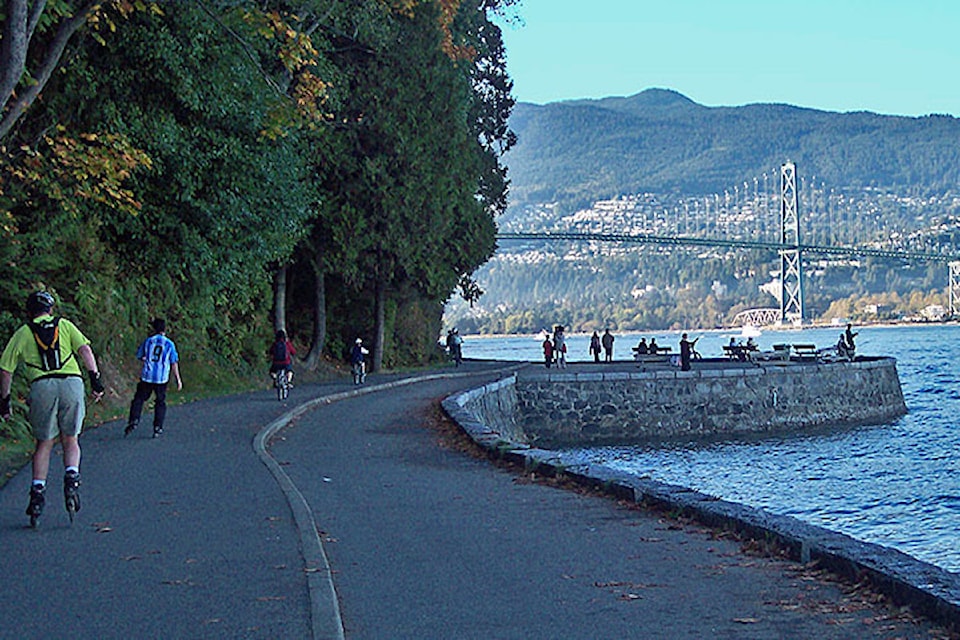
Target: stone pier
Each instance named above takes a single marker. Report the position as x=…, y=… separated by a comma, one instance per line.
x=621, y=404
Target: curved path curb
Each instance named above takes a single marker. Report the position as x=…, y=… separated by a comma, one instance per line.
x=325, y=619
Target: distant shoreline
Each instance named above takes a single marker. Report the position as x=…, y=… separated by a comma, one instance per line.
x=873, y=325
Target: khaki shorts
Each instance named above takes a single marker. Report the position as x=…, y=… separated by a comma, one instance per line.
x=56, y=407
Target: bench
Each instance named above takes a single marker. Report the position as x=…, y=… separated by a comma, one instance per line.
x=651, y=358
x=781, y=352
x=657, y=350
x=805, y=351
x=741, y=352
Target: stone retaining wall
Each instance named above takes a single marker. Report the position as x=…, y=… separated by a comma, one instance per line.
x=583, y=409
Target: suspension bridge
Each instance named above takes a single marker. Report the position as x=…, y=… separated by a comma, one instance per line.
x=732, y=220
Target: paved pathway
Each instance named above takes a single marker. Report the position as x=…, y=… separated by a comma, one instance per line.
x=190, y=536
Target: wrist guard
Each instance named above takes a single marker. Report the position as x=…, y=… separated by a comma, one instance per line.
x=96, y=385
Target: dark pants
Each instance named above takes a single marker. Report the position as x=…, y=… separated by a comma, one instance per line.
x=144, y=389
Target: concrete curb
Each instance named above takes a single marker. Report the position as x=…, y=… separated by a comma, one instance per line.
x=325, y=620
x=927, y=589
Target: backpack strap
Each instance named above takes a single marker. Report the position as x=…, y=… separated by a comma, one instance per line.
x=43, y=347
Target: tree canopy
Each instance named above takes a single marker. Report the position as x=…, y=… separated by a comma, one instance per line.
x=175, y=158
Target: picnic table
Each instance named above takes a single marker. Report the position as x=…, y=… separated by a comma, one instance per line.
x=805, y=351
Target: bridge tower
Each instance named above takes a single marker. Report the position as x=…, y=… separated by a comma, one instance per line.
x=954, y=289
x=791, y=276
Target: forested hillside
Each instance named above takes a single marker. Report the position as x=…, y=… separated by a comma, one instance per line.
x=659, y=141
x=239, y=166
x=658, y=163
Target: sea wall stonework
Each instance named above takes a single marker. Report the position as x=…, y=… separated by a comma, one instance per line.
x=489, y=413
x=558, y=409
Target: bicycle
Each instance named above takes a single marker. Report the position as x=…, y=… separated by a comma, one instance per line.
x=281, y=381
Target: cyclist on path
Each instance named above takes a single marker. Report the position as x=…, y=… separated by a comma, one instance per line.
x=281, y=356
x=52, y=350
x=160, y=359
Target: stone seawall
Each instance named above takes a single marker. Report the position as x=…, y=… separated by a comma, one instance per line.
x=582, y=409
x=489, y=413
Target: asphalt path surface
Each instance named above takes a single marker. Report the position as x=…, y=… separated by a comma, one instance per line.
x=191, y=536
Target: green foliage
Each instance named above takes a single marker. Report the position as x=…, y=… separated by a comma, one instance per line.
x=181, y=156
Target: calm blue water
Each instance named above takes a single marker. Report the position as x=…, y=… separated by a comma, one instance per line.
x=896, y=484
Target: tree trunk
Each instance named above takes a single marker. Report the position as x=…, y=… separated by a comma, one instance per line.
x=14, y=105
x=280, y=299
x=379, y=329
x=319, y=318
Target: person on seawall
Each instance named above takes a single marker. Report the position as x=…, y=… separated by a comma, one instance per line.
x=608, y=345
x=642, y=347
x=159, y=356
x=595, y=346
x=547, y=351
x=51, y=350
x=560, y=346
x=686, y=350
x=653, y=347
x=281, y=356
x=849, y=335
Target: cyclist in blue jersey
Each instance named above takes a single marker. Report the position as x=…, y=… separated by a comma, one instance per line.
x=160, y=359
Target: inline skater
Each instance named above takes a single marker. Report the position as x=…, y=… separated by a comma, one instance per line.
x=52, y=349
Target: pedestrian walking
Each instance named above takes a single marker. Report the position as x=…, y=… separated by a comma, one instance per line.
x=51, y=349
x=607, y=341
x=160, y=359
x=357, y=363
x=595, y=346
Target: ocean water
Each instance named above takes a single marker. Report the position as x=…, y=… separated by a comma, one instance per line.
x=895, y=484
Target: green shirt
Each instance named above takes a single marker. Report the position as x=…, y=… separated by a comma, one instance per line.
x=23, y=348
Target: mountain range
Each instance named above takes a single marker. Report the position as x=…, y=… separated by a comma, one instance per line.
x=659, y=141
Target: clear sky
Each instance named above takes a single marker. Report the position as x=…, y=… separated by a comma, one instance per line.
x=899, y=57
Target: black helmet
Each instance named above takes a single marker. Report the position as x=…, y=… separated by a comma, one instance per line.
x=281, y=334
x=39, y=302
